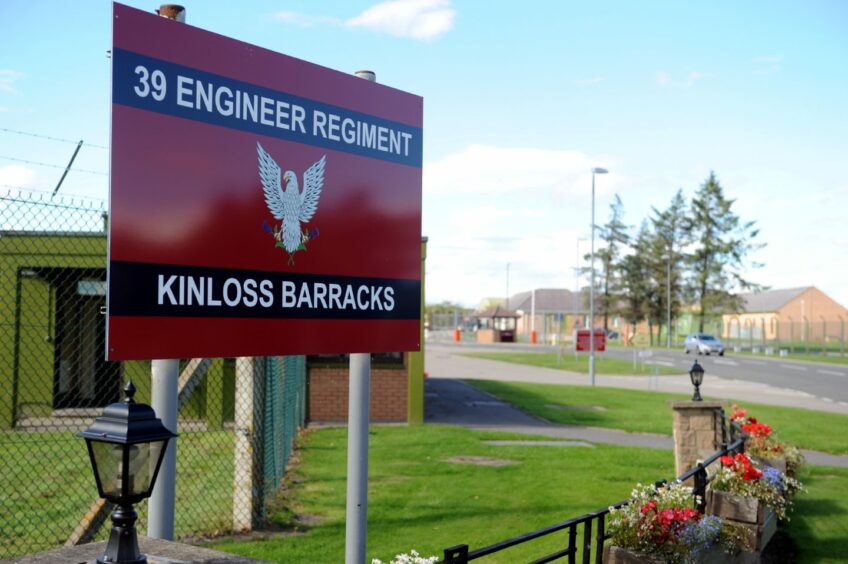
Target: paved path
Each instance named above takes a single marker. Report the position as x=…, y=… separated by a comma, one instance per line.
x=449, y=401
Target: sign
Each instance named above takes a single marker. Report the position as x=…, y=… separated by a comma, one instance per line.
x=259, y=204
x=582, y=340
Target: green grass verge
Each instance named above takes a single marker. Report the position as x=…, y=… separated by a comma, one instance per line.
x=647, y=412
x=603, y=365
x=418, y=499
x=819, y=524
x=826, y=359
x=47, y=485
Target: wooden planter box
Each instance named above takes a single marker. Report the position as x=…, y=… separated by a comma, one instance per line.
x=779, y=463
x=617, y=555
x=758, y=521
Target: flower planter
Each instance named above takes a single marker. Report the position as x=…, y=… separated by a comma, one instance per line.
x=616, y=555
x=758, y=521
x=779, y=463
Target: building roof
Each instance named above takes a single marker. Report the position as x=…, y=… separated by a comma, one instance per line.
x=770, y=300
x=497, y=311
x=547, y=300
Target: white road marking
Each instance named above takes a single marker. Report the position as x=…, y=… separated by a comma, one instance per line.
x=793, y=367
x=831, y=372
x=760, y=362
x=726, y=362
x=660, y=362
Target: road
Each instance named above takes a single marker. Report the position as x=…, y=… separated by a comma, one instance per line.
x=761, y=379
x=826, y=381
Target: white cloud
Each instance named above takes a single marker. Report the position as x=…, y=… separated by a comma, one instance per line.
x=415, y=19
x=665, y=79
x=487, y=206
x=484, y=169
x=303, y=20
x=8, y=79
x=18, y=176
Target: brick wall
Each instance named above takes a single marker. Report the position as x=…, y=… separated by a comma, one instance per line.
x=328, y=391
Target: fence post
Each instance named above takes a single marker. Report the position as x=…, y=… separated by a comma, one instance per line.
x=456, y=554
x=697, y=432
x=247, y=474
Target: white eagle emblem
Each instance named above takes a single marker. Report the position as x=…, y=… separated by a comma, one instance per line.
x=289, y=204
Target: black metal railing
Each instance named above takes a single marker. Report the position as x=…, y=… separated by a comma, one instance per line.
x=733, y=441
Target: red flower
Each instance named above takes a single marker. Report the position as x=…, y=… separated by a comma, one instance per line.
x=727, y=460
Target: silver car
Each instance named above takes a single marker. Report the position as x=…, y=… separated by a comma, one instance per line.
x=702, y=343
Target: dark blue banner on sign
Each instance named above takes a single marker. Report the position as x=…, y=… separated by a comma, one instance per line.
x=151, y=84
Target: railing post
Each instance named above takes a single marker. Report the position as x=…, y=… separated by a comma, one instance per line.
x=587, y=541
x=572, y=535
x=599, y=539
x=700, y=488
x=456, y=554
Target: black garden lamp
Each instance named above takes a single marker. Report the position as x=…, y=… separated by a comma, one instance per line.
x=696, y=374
x=126, y=445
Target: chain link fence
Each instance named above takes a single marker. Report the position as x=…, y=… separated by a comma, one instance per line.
x=238, y=418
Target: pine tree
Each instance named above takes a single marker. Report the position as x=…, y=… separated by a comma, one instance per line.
x=672, y=230
x=614, y=235
x=638, y=287
x=722, y=244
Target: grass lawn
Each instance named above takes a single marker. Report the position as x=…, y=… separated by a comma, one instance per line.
x=417, y=499
x=647, y=412
x=603, y=365
x=41, y=503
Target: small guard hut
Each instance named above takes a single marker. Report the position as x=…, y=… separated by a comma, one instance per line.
x=496, y=325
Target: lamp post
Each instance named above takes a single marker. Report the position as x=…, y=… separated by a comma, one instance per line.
x=596, y=170
x=696, y=374
x=126, y=445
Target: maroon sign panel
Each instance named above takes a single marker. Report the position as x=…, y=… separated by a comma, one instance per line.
x=259, y=204
x=583, y=343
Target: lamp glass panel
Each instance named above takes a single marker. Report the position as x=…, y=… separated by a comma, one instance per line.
x=697, y=377
x=107, y=457
x=138, y=473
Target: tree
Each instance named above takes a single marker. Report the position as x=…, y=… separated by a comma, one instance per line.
x=722, y=243
x=614, y=235
x=672, y=230
x=638, y=287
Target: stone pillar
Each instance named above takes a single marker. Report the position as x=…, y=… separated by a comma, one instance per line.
x=697, y=432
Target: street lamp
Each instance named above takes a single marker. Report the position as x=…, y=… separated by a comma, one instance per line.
x=696, y=374
x=596, y=170
x=126, y=445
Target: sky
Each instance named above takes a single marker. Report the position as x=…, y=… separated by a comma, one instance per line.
x=521, y=101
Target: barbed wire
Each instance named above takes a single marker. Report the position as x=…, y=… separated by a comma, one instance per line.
x=50, y=138
x=62, y=167
x=43, y=195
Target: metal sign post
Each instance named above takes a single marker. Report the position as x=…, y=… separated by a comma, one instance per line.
x=358, y=413
x=164, y=378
